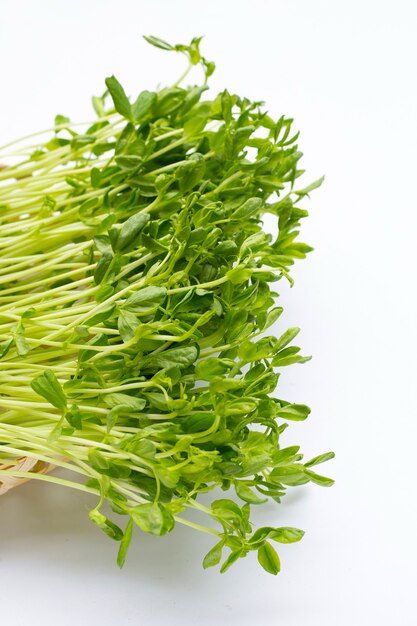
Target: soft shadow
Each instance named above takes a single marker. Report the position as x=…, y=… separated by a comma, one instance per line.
x=42, y=522
x=47, y=525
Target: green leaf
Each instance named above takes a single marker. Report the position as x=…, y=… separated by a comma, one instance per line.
x=173, y=357
x=22, y=345
x=5, y=347
x=285, y=454
x=74, y=417
x=152, y=244
x=291, y=474
x=238, y=407
x=191, y=172
x=127, y=324
x=28, y=314
x=323, y=481
x=231, y=559
x=146, y=300
x=80, y=141
x=100, y=317
x=286, y=338
x=207, y=369
x=267, y=319
x=239, y=275
x=98, y=105
x=168, y=101
x=286, y=534
x=126, y=136
x=142, y=108
x=213, y=556
x=195, y=125
x=194, y=50
x=306, y=190
x=145, y=449
x=129, y=162
x=321, y=458
x=61, y=120
x=167, y=477
x=129, y=231
x=254, y=242
x=247, y=209
x=120, y=100
x=48, y=386
x=153, y=518
x=294, y=412
x=125, y=543
x=102, y=267
x=245, y=493
x=250, y=352
x=158, y=43
x=110, y=528
x=198, y=422
x=86, y=355
x=226, y=509
x=124, y=401
x=288, y=356
x=269, y=559
x=107, y=466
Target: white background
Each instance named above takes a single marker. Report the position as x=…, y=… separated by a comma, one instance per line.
x=346, y=72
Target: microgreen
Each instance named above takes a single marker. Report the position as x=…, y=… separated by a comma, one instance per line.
x=136, y=284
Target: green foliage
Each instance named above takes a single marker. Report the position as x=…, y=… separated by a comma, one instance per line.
x=136, y=289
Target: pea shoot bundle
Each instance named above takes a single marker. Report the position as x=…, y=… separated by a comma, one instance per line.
x=135, y=296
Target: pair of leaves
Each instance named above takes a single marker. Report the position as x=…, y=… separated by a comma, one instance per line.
x=267, y=555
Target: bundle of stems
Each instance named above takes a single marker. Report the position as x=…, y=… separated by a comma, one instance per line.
x=134, y=298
